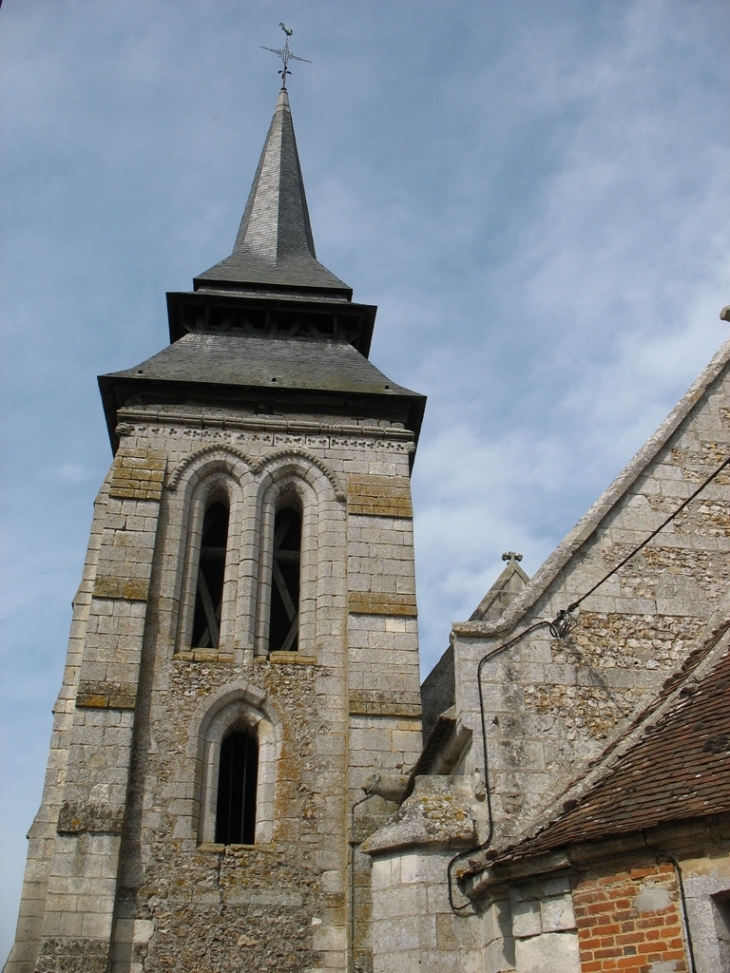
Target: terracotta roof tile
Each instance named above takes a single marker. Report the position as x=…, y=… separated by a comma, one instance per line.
x=678, y=770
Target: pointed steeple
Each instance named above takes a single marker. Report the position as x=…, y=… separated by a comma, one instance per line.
x=274, y=248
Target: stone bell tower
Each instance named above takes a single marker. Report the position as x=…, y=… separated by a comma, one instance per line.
x=243, y=650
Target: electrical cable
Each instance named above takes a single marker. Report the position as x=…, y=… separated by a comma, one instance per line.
x=685, y=918
x=651, y=536
x=563, y=623
x=460, y=909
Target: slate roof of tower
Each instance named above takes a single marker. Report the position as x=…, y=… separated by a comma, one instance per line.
x=250, y=361
x=678, y=770
x=274, y=245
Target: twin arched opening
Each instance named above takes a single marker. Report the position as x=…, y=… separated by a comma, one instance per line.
x=252, y=552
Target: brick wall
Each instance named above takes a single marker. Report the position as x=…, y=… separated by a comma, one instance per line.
x=630, y=920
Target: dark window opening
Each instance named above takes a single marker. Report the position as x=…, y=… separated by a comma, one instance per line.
x=235, y=822
x=284, y=618
x=209, y=594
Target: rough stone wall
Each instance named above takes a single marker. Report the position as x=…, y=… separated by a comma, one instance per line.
x=348, y=704
x=345, y=705
x=552, y=705
x=630, y=920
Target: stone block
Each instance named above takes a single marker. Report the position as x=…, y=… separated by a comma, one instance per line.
x=557, y=913
x=526, y=919
x=548, y=953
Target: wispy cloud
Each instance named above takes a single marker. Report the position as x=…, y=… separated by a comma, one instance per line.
x=536, y=195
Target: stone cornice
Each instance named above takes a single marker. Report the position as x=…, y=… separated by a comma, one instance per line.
x=128, y=416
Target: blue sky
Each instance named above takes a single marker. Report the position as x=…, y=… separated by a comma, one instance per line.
x=536, y=195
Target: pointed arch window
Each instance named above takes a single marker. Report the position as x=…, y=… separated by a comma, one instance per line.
x=235, y=822
x=285, y=581
x=211, y=570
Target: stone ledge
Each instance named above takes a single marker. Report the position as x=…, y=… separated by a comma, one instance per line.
x=203, y=655
x=217, y=848
x=106, y=695
x=381, y=603
x=288, y=659
x=121, y=589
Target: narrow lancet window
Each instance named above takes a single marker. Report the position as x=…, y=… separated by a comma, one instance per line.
x=209, y=595
x=284, y=618
x=235, y=822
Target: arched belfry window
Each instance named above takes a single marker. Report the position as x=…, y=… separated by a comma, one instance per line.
x=284, y=616
x=211, y=570
x=235, y=820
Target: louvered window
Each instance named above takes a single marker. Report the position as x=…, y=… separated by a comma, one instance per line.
x=235, y=822
x=284, y=617
x=211, y=568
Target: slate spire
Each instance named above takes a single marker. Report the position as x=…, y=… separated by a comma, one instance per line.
x=274, y=247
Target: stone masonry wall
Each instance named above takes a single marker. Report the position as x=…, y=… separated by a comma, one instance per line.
x=414, y=926
x=82, y=880
x=128, y=842
x=282, y=904
x=552, y=705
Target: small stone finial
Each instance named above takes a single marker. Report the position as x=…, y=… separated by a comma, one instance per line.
x=511, y=556
x=285, y=54
x=725, y=313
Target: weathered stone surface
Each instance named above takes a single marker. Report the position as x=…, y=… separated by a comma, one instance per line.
x=385, y=703
x=137, y=474
x=68, y=955
x=126, y=589
x=382, y=603
x=379, y=496
x=89, y=818
x=104, y=695
x=440, y=811
x=548, y=953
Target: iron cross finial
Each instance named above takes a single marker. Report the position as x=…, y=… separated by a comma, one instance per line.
x=284, y=53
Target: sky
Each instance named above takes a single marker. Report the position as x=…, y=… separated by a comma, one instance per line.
x=535, y=194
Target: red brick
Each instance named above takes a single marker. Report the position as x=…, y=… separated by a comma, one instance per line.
x=650, y=950
x=595, y=895
x=597, y=908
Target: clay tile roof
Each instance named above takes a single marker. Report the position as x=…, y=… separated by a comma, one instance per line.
x=678, y=770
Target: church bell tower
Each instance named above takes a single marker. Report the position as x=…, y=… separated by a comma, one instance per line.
x=243, y=651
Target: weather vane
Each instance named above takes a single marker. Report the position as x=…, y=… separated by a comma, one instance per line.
x=284, y=53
